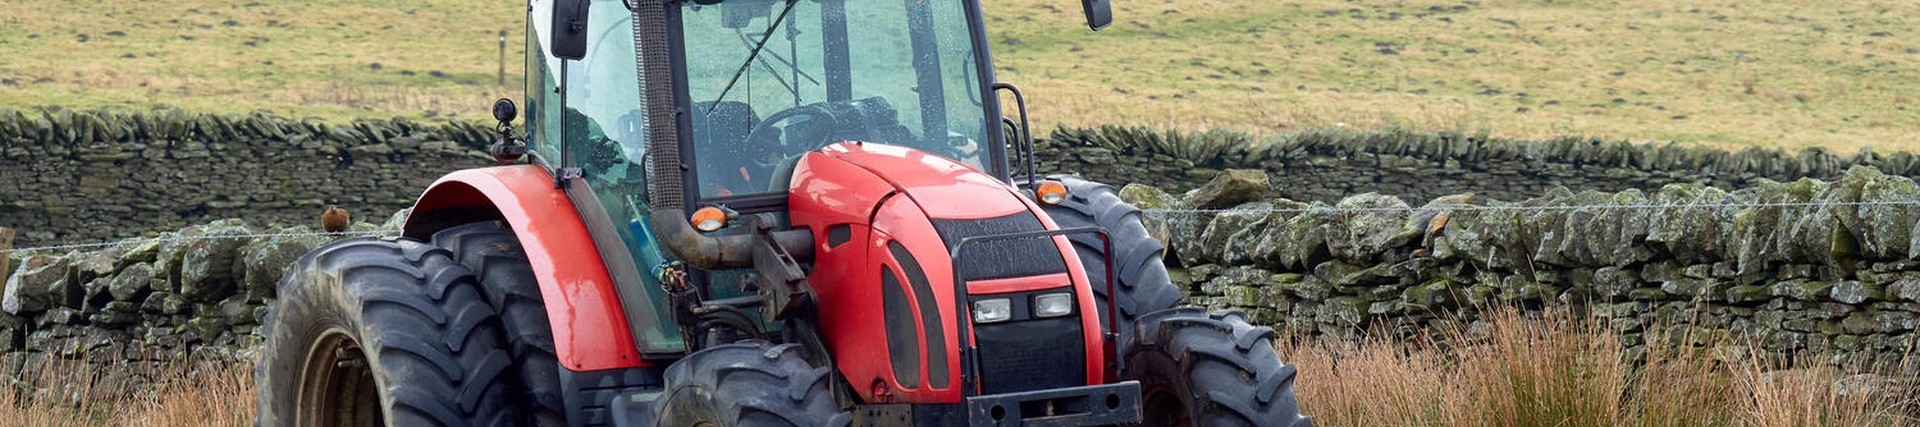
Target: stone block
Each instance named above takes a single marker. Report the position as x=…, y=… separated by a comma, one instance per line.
x=1804, y=290
x=42, y=282
x=208, y=269
x=1228, y=188
x=1855, y=292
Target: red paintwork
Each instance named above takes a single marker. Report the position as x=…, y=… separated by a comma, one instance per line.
x=852, y=183
x=901, y=220
x=827, y=192
x=944, y=188
x=589, y=327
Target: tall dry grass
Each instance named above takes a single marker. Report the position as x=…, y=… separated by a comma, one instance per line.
x=1562, y=370
x=1526, y=370
x=62, y=394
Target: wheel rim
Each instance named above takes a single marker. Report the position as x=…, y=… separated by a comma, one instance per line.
x=337, y=388
x=1161, y=407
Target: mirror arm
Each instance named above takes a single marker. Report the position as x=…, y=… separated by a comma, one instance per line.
x=1026, y=129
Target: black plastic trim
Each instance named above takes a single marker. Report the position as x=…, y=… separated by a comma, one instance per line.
x=902, y=348
x=931, y=327
x=839, y=234
x=1094, y=405
x=1033, y=354
x=590, y=394
x=1002, y=259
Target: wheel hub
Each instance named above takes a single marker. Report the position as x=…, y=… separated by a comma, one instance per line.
x=336, y=386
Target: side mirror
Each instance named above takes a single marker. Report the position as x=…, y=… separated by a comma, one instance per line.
x=504, y=111
x=569, y=29
x=1099, y=13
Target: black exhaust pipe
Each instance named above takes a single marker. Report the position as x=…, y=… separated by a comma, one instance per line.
x=664, y=187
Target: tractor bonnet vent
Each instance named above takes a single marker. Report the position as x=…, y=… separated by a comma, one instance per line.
x=1002, y=258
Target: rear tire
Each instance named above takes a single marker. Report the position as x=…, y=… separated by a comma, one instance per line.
x=1141, y=284
x=377, y=331
x=506, y=278
x=749, y=384
x=1211, y=371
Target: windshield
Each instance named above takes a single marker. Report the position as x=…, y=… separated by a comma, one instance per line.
x=773, y=79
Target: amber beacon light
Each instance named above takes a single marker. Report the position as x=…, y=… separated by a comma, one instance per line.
x=1050, y=192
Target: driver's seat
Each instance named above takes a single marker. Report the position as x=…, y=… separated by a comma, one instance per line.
x=726, y=126
x=723, y=131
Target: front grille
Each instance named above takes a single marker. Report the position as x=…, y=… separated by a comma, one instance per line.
x=1000, y=259
x=1031, y=355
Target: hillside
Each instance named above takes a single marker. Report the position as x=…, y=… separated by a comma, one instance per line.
x=1784, y=74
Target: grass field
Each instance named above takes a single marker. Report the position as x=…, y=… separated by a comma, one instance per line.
x=1789, y=73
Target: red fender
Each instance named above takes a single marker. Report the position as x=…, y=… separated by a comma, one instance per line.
x=589, y=327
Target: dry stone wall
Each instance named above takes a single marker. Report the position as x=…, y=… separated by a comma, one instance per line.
x=1807, y=265
x=1328, y=165
x=137, y=308
x=88, y=176
x=85, y=176
x=1320, y=240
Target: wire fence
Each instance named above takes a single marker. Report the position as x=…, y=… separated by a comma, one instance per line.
x=1548, y=208
x=1318, y=209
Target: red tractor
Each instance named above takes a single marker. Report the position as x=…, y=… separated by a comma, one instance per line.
x=761, y=213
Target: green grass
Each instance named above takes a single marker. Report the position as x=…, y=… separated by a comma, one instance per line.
x=1780, y=74
x=334, y=60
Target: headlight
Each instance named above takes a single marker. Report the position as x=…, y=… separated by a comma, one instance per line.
x=1053, y=305
x=992, y=310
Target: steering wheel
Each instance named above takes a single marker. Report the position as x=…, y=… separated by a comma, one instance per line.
x=765, y=129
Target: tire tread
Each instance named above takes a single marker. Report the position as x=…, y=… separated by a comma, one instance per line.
x=759, y=384
x=417, y=314
x=1227, y=368
x=1141, y=284
x=495, y=255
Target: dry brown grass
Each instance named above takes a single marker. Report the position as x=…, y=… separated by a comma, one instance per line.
x=1514, y=370
x=69, y=394
x=1555, y=370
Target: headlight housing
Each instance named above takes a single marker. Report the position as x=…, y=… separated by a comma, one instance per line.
x=992, y=310
x=1052, y=305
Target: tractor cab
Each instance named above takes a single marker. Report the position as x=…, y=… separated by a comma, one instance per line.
x=762, y=81
x=755, y=85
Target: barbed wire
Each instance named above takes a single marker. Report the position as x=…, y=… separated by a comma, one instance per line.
x=1321, y=209
x=176, y=239
x=1526, y=208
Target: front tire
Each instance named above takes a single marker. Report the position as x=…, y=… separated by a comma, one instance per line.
x=506, y=278
x=382, y=332
x=1215, y=370
x=748, y=384
x=1140, y=282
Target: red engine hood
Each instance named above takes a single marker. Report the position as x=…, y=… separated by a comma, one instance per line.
x=883, y=276
x=944, y=188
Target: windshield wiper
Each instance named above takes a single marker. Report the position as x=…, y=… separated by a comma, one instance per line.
x=744, y=66
x=793, y=89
